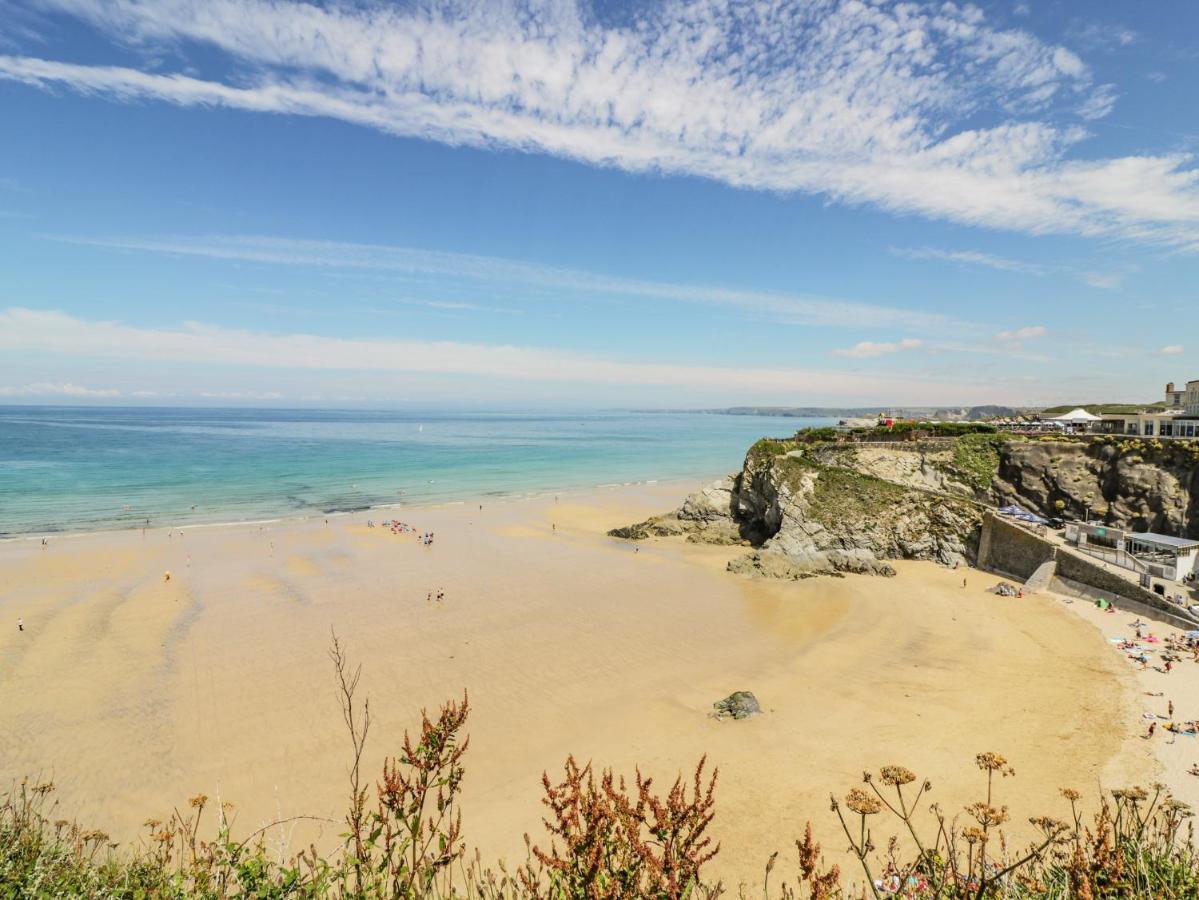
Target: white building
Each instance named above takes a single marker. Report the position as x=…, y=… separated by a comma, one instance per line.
x=1157, y=555
x=1178, y=418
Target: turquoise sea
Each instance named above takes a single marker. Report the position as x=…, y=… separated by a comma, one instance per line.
x=81, y=469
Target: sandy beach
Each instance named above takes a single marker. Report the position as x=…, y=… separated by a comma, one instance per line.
x=132, y=692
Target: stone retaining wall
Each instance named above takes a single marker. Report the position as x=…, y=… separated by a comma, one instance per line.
x=1010, y=550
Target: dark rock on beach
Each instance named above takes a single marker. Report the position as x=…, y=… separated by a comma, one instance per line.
x=737, y=705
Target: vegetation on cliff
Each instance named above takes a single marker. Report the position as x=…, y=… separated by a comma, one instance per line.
x=976, y=458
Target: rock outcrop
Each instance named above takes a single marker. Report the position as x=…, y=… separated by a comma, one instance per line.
x=811, y=514
x=737, y=705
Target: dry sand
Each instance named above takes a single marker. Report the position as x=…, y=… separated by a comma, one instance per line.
x=133, y=692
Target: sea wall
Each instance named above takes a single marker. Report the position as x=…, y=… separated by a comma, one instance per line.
x=1011, y=550
x=1016, y=552
x=1093, y=574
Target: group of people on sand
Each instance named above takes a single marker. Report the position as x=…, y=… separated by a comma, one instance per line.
x=1170, y=651
x=395, y=526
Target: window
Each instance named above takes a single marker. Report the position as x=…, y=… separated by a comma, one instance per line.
x=1148, y=429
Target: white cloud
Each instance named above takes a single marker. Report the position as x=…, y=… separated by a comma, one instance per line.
x=870, y=349
x=1101, y=35
x=1172, y=350
x=61, y=389
x=1023, y=334
x=971, y=257
x=241, y=395
x=1105, y=280
x=58, y=333
x=860, y=102
x=790, y=308
x=1099, y=104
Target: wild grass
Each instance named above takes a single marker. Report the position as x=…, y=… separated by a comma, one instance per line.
x=606, y=837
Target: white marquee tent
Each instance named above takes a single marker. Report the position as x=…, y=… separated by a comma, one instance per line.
x=1077, y=416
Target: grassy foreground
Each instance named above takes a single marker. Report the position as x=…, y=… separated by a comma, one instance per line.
x=605, y=837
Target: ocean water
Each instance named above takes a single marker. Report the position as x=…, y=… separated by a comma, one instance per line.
x=83, y=469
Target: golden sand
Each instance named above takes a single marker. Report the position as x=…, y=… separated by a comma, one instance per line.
x=132, y=691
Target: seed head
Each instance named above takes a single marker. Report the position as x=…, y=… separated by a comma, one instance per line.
x=990, y=762
x=862, y=803
x=896, y=775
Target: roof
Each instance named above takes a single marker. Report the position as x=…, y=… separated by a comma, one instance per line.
x=1164, y=540
x=1076, y=415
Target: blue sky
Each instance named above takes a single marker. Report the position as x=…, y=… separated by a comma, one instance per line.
x=677, y=204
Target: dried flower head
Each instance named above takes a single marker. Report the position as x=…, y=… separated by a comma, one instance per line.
x=862, y=803
x=896, y=775
x=990, y=762
x=987, y=815
x=1071, y=794
x=1049, y=825
x=198, y=800
x=973, y=834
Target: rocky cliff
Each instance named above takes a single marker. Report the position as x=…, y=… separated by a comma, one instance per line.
x=811, y=510
x=1138, y=484
x=816, y=508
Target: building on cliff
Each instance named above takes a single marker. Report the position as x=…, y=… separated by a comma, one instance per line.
x=1178, y=417
x=1155, y=555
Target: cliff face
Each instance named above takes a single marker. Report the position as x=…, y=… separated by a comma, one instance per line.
x=1139, y=484
x=826, y=508
x=809, y=512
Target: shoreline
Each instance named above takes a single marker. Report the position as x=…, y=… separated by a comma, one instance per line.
x=487, y=496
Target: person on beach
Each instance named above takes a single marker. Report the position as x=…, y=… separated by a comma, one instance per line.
x=1170, y=709
x=963, y=582
x=1152, y=728
x=1169, y=666
x=20, y=624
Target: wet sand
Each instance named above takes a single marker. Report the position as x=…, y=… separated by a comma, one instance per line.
x=132, y=692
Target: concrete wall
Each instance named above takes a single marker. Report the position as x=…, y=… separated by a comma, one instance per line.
x=1092, y=573
x=1010, y=549
x=1167, y=613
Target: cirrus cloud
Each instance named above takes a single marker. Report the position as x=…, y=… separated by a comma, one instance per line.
x=46, y=332
x=912, y=108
